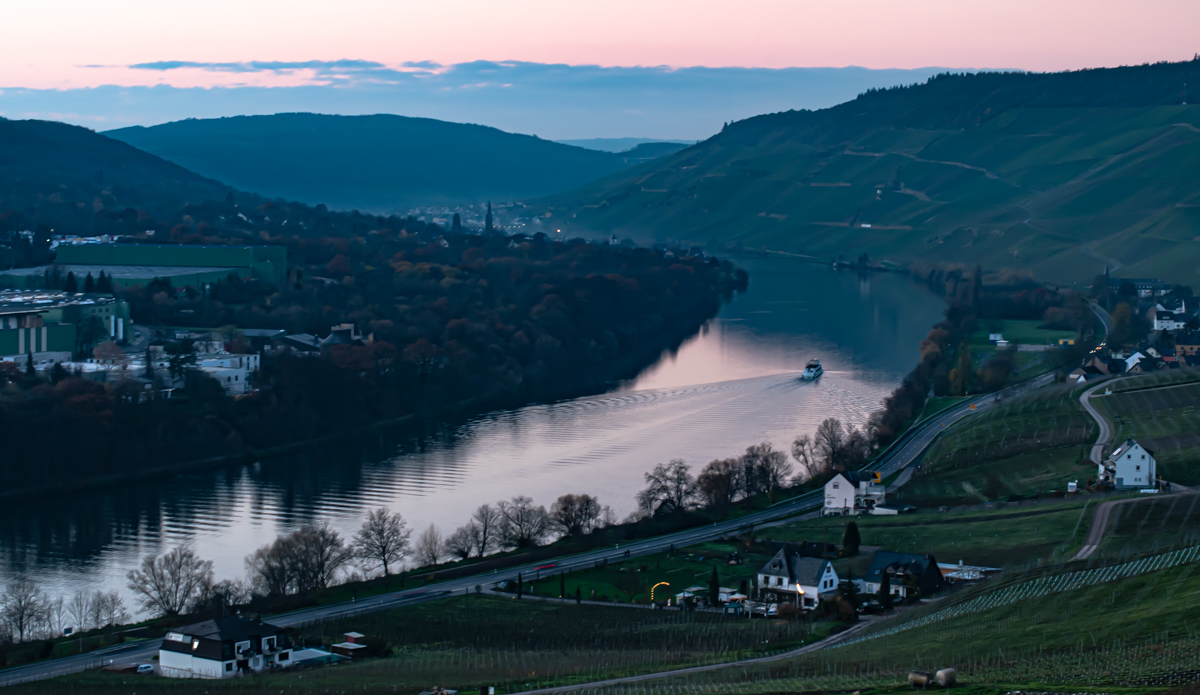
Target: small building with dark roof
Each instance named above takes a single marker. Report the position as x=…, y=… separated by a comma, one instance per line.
x=789, y=576
x=907, y=572
x=853, y=492
x=223, y=648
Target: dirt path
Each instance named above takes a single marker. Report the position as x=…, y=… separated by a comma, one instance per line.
x=815, y=646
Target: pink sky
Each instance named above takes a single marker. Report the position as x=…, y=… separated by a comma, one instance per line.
x=49, y=44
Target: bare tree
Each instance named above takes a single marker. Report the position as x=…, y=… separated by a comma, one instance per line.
x=222, y=597
x=80, y=610
x=108, y=609
x=461, y=543
x=429, y=550
x=382, y=541
x=765, y=469
x=720, y=482
x=56, y=615
x=806, y=456
x=23, y=607
x=487, y=525
x=857, y=448
x=575, y=515
x=523, y=525
x=669, y=489
x=168, y=584
x=317, y=554
x=829, y=442
x=607, y=517
x=269, y=570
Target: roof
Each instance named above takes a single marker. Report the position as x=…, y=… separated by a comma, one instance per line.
x=1126, y=446
x=121, y=272
x=900, y=562
x=859, y=476
x=235, y=629
x=31, y=301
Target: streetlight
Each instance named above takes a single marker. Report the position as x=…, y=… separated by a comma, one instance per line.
x=799, y=593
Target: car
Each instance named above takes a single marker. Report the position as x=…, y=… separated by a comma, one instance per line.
x=145, y=669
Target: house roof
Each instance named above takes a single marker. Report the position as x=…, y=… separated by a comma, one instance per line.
x=904, y=563
x=1126, y=446
x=800, y=570
x=859, y=476
x=236, y=629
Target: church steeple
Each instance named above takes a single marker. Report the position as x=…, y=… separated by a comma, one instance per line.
x=487, y=221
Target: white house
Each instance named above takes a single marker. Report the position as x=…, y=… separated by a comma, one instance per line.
x=223, y=648
x=791, y=577
x=854, y=492
x=1171, y=319
x=1131, y=465
x=231, y=370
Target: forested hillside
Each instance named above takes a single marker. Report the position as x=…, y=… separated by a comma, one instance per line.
x=1057, y=173
x=381, y=163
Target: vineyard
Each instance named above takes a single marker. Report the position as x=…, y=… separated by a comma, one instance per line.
x=1021, y=448
x=1164, y=412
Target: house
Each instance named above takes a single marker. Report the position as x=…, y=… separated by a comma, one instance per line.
x=1167, y=320
x=789, y=576
x=908, y=572
x=231, y=371
x=966, y=573
x=1130, y=466
x=1133, y=360
x=1187, y=343
x=1146, y=287
x=223, y=648
x=853, y=492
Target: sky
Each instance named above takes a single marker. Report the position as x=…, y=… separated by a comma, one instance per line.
x=558, y=69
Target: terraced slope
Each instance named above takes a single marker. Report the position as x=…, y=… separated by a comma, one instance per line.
x=1055, y=173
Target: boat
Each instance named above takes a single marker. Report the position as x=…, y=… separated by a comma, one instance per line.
x=813, y=369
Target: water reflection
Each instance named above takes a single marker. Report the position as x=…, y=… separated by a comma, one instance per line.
x=732, y=385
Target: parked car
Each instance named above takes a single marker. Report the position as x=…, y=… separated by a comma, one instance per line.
x=145, y=669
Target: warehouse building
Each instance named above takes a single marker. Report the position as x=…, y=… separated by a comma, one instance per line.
x=137, y=264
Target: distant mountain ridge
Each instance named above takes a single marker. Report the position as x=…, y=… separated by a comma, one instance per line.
x=1059, y=173
x=379, y=163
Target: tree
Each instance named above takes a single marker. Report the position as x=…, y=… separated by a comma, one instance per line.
x=829, y=442
x=1125, y=289
x=24, y=608
x=714, y=588
x=885, y=589
x=850, y=539
x=307, y=559
x=429, y=550
x=522, y=524
x=382, y=541
x=108, y=609
x=89, y=283
x=764, y=469
x=71, y=285
x=575, y=515
x=670, y=489
x=80, y=610
x=461, y=543
x=168, y=584
x=58, y=373
x=30, y=370
x=104, y=284
x=719, y=483
x=149, y=364
x=222, y=598
x=181, y=356
x=805, y=454
x=487, y=527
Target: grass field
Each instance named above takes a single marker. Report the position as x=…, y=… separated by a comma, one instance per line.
x=1026, y=332
x=1157, y=523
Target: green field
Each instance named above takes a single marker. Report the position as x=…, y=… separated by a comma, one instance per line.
x=1025, y=447
x=1021, y=331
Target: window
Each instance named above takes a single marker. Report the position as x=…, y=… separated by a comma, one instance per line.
x=1138, y=467
x=229, y=666
x=283, y=656
x=835, y=485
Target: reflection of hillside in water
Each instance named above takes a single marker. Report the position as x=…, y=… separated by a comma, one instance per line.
x=729, y=387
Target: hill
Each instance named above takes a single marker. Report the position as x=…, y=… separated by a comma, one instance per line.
x=65, y=175
x=379, y=163
x=1056, y=173
x=617, y=144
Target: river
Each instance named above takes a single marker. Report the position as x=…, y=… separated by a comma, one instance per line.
x=732, y=385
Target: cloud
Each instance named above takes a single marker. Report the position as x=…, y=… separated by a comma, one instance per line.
x=553, y=100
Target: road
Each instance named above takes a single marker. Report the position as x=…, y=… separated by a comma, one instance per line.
x=903, y=453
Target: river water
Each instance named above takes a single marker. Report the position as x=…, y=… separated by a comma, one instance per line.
x=732, y=385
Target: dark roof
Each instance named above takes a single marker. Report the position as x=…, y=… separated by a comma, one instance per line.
x=900, y=562
x=236, y=629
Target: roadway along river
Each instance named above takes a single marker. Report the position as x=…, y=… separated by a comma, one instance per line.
x=732, y=385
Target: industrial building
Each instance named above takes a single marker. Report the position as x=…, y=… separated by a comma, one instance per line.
x=52, y=325
x=137, y=264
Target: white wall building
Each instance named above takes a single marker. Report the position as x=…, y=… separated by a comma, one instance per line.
x=854, y=492
x=1130, y=466
x=223, y=648
x=791, y=577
